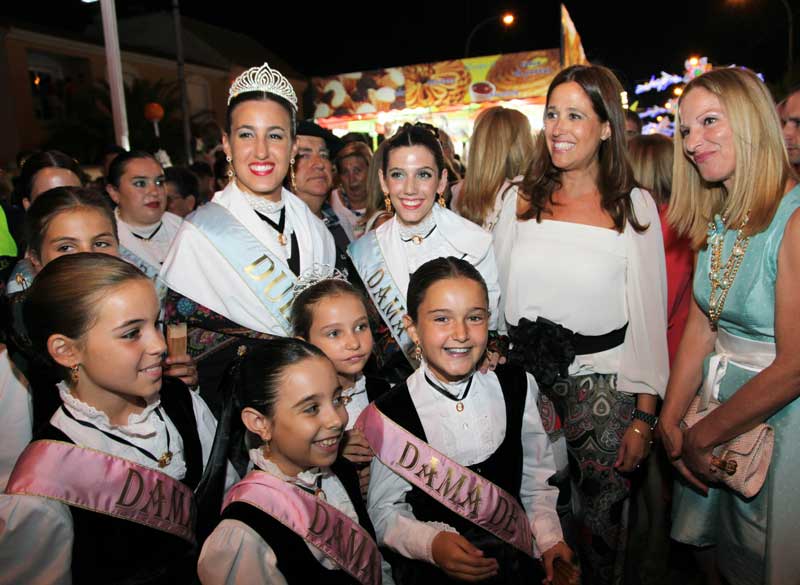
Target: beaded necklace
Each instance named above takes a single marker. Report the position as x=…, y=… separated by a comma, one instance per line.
x=722, y=278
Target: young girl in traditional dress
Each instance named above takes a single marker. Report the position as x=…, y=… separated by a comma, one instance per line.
x=414, y=179
x=232, y=268
x=332, y=315
x=298, y=517
x=105, y=492
x=459, y=487
x=146, y=229
x=62, y=221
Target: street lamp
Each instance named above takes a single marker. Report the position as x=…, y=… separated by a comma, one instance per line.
x=507, y=19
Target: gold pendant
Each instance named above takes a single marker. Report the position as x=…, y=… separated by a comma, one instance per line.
x=460, y=406
x=281, y=239
x=320, y=494
x=417, y=239
x=165, y=459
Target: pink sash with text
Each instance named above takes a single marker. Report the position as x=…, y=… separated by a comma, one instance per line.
x=106, y=484
x=456, y=487
x=315, y=521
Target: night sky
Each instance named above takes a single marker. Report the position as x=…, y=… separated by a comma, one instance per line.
x=633, y=38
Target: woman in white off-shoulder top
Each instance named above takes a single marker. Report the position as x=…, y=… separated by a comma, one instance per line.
x=581, y=264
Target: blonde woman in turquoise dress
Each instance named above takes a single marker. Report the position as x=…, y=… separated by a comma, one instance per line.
x=736, y=197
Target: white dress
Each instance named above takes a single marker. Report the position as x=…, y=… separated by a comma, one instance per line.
x=592, y=280
x=452, y=236
x=198, y=271
x=36, y=534
x=467, y=437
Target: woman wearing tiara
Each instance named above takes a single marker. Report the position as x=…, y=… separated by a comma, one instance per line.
x=233, y=264
x=413, y=178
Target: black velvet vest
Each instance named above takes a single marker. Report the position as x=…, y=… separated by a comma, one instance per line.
x=503, y=468
x=376, y=387
x=111, y=550
x=295, y=561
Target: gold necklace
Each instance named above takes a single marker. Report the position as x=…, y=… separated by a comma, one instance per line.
x=722, y=280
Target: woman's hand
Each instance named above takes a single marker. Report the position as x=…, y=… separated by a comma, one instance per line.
x=356, y=449
x=558, y=551
x=673, y=438
x=182, y=367
x=635, y=446
x=457, y=557
x=697, y=457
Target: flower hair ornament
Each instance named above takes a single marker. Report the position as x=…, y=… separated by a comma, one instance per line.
x=265, y=79
x=316, y=274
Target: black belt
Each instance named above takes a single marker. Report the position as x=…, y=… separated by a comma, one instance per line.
x=547, y=349
x=581, y=344
x=585, y=344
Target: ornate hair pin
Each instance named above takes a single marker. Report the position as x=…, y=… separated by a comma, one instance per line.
x=266, y=79
x=316, y=274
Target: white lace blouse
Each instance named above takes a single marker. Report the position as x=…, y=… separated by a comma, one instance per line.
x=36, y=534
x=468, y=437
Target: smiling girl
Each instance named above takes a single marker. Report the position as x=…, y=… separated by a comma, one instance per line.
x=233, y=267
x=64, y=221
x=413, y=179
x=298, y=517
x=459, y=486
x=332, y=315
x=109, y=481
x=146, y=229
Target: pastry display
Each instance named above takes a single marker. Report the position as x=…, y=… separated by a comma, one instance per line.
x=359, y=93
x=436, y=84
x=522, y=74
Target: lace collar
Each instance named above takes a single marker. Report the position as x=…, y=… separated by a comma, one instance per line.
x=358, y=388
x=454, y=389
x=421, y=229
x=261, y=204
x=306, y=479
x=143, y=231
x=139, y=424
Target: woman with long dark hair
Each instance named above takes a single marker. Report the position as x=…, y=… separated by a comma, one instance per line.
x=582, y=273
x=234, y=263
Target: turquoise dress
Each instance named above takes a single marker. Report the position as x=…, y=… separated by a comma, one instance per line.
x=756, y=538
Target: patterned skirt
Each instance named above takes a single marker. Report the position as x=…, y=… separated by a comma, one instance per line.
x=592, y=417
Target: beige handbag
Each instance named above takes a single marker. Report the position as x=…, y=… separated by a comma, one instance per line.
x=741, y=463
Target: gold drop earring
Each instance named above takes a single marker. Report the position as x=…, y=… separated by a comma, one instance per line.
x=75, y=374
x=291, y=175
x=442, y=202
x=418, y=351
x=231, y=173
x=387, y=202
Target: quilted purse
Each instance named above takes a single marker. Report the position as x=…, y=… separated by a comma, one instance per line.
x=741, y=464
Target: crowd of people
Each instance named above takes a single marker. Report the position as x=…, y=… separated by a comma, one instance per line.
x=549, y=364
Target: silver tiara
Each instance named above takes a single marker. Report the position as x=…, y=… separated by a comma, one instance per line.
x=263, y=78
x=316, y=274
